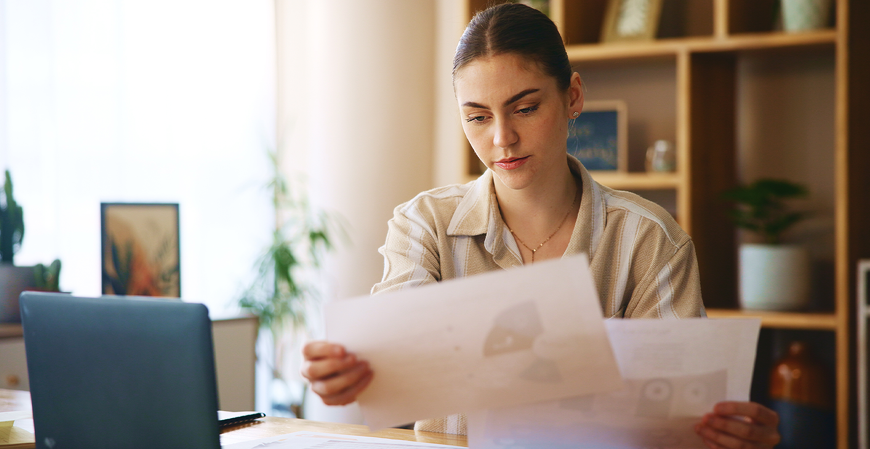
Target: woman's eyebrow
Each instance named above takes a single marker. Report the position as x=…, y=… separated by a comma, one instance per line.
x=518, y=96
x=507, y=103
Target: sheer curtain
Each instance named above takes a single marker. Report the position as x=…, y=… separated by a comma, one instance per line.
x=141, y=101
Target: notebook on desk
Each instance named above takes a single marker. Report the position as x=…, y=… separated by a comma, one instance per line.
x=114, y=372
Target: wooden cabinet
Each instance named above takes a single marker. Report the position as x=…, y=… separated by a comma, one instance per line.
x=742, y=99
x=235, y=359
x=13, y=364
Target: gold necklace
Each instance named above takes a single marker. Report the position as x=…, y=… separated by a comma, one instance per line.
x=551, y=235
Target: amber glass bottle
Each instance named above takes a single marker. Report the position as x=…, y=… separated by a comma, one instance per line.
x=801, y=379
x=800, y=391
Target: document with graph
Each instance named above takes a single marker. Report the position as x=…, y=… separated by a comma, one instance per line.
x=674, y=371
x=486, y=341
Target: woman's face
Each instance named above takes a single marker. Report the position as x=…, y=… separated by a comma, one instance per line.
x=516, y=117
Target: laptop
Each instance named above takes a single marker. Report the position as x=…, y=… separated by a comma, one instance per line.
x=115, y=372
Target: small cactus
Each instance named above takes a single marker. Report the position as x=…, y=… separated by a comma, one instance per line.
x=48, y=278
x=11, y=223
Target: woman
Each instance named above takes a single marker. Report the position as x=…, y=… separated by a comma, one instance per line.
x=516, y=94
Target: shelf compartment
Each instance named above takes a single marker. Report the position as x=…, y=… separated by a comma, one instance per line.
x=761, y=15
x=709, y=86
x=782, y=320
x=649, y=90
x=582, y=20
x=751, y=15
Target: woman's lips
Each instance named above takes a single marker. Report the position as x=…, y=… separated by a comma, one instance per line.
x=511, y=163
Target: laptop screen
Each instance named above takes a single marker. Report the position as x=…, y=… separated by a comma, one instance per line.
x=115, y=372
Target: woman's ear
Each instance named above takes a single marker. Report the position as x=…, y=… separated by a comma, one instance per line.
x=575, y=95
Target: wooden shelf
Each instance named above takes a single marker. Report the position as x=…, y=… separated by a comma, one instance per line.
x=782, y=320
x=637, y=181
x=628, y=181
x=665, y=48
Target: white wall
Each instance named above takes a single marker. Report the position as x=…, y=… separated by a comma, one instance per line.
x=451, y=146
x=132, y=101
x=357, y=104
x=365, y=98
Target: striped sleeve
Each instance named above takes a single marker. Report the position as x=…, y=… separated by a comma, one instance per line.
x=672, y=290
x=410, y=252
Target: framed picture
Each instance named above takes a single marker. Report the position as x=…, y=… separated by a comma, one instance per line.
x=598, y=137
x=631, y=20
x=140, y=249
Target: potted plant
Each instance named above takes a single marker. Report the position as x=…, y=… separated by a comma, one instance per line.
x=48, y=277
x=13, y=280
x=773, y=275
x=283, y=289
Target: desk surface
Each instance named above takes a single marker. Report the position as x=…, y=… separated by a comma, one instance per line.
x=11, y=400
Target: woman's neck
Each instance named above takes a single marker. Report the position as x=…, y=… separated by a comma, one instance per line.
x=541, y=213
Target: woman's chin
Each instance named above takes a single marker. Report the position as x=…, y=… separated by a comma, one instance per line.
x=513, y=179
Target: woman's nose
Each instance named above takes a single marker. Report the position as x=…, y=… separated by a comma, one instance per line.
x=505, y=135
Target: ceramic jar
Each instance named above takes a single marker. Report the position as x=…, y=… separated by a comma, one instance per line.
x=774, y=277
x=803, y=15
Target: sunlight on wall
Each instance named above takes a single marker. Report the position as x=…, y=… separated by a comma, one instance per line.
x=130, y=101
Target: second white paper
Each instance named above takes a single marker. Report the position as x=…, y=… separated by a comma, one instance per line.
x=491, y=340
x=675, y=371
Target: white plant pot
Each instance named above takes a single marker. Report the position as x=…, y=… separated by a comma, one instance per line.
x=802, y=15
x=13, y=281
x=774, y=277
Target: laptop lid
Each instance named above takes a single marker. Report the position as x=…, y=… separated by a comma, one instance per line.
x=114, y=372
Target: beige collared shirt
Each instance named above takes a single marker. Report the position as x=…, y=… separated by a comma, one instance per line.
x=643, y=263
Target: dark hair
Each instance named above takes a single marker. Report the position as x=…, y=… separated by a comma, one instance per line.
x=515, y=28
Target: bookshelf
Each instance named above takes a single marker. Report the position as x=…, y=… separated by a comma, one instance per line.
x=693, y=85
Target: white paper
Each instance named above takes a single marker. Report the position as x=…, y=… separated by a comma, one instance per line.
x=319, y=440
x=8, y=418
x=674, y=370
x=491, y=340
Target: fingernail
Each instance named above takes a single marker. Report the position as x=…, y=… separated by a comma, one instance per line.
x=336, y=351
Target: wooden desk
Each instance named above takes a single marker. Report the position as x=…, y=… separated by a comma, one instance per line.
x=13, y=400
x=14, y=437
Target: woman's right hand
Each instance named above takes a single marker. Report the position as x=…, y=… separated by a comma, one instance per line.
x=336, y=375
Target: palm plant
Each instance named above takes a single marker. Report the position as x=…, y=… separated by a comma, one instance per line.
x=283, y=288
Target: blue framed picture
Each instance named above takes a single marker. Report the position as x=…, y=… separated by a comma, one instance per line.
x=598, y=136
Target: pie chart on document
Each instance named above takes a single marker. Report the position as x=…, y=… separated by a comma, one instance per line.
x=517, y=329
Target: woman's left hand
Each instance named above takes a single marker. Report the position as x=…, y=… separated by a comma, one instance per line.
x=739, y=425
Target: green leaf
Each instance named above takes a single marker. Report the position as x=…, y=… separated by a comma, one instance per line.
x=759, y=207
x=280, y=293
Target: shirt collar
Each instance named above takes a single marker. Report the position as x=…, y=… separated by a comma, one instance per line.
x=478, y=213
x=476, y=209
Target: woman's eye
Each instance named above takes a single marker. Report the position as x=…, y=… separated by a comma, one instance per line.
x=528, y=110
x=478, y=119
